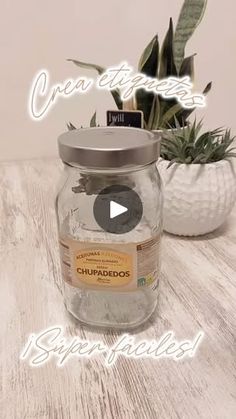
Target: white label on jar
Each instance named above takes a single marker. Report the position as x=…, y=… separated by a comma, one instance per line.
x=123, y=266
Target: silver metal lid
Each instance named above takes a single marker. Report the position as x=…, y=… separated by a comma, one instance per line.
x=108, y=147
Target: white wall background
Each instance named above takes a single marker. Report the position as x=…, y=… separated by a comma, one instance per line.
x=35, y=35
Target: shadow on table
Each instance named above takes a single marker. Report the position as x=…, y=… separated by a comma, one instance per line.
x=221, y=231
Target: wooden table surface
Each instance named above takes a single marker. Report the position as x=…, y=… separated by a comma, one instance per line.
x=198, y=292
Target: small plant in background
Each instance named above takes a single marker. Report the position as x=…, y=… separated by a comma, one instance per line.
x=188, y=146
x=169, y=60
x=93, y=123
x=200, y=185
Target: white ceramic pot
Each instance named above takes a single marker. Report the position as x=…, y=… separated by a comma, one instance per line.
x=197, y=197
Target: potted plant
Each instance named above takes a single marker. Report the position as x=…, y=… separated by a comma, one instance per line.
x=169, y=60
x=199, y=179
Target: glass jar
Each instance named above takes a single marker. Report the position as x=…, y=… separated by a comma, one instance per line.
x=111, y=277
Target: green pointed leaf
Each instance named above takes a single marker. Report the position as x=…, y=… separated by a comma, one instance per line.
x=89, y=66
x=170, y=114
x=167, y=63
x=148, y=65
x=70, y=126
x=190, y=16
x=153, y=121
x=170, y=145
x=207, y=88
x=188, y=146
x=231, y=149
x=187, y=67
x=166, y=104
x=93, y=122
x=184, y=114
x=212, y=154
x=230, y=155
x=199, y=158
x=194, y=130
x=149, y=61
x=177, y=160
x=115, y=93
x=177, y=124
x=144, y=102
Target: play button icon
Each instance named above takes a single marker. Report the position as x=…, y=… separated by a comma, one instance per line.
x=118, y=209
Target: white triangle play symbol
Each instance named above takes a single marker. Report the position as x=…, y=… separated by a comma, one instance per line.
x=116, y=209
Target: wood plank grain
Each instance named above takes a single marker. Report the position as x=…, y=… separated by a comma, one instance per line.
x=198, y=292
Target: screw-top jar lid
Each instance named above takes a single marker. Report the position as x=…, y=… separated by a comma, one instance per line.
x=108, y=147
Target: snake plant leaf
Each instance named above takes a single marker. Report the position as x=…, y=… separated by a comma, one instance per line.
x=89, y=66
x=184, y=114
x=148, y=65
x=144, y=102
x=153, y=121
x=169, y=115
x=207, y=88
x=149, y=61
x=165, y=105
x=190, y=16
x=70, y=126
x=93, y=122
x=167, y=63
x=115, y=93
x=187, y=67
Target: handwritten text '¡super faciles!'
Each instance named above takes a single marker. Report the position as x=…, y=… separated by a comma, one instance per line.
x=51, y=343
x=120, y=78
